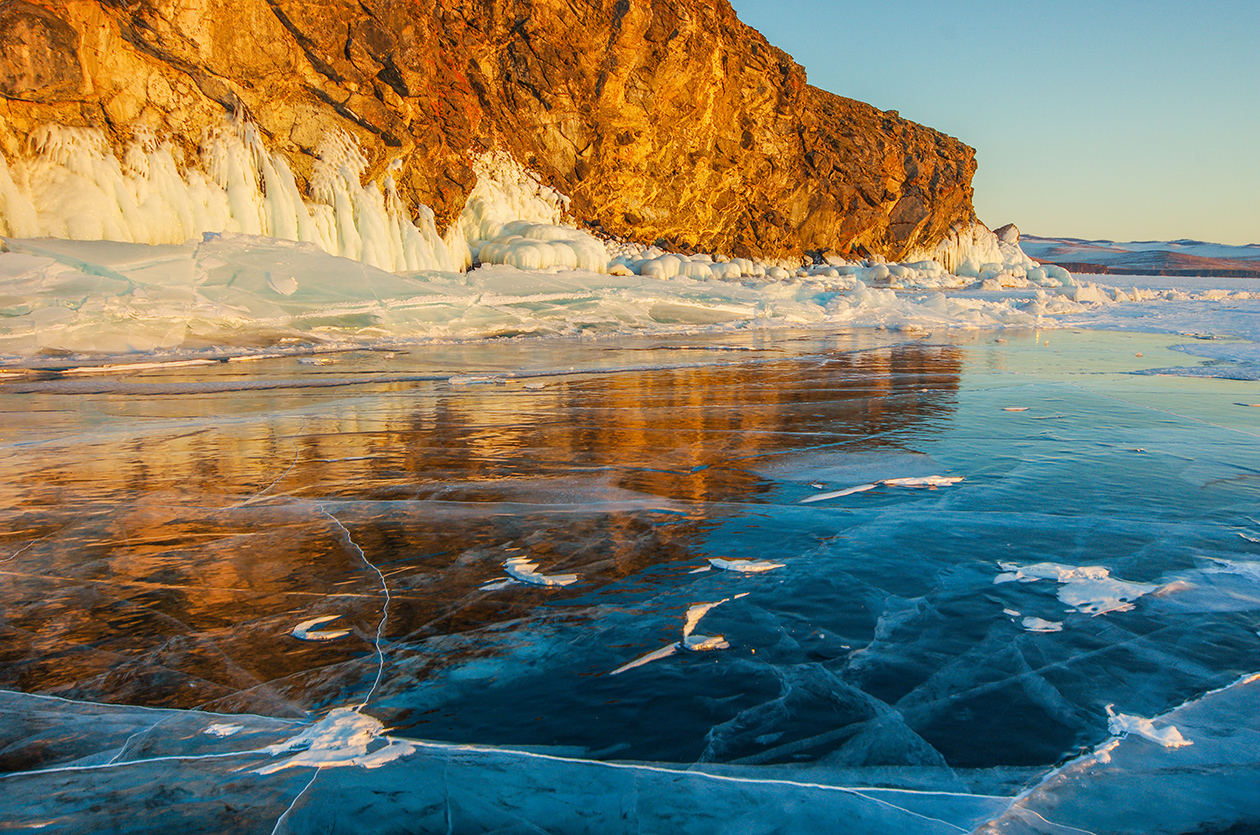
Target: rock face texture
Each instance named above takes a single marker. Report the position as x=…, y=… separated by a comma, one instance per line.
x=660, y=119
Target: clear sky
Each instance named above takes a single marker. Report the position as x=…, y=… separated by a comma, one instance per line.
x=1105, y=119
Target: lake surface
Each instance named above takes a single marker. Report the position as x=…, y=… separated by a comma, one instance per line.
x=917, y=658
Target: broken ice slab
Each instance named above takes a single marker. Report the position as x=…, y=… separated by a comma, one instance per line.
x=930, y=482
x=836, y=494
x=1041, y=625
x=306, y=631
x=745, y=566
x=1090, y=590
x=1123, y=724
x=690, y=641
x=526, y=571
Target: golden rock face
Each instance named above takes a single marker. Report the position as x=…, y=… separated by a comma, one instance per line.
x=661, y=120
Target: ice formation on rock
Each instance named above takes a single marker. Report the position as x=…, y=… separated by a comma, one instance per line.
x=73, y=187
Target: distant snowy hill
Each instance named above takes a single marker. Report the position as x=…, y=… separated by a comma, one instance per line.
x=1181, y=257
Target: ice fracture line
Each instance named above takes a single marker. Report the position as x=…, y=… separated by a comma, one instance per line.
x=380, y=627
x=276, y=829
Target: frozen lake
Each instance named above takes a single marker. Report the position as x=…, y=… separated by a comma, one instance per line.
x=468, y=587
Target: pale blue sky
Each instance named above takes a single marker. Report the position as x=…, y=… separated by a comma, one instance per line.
x=1106, y=119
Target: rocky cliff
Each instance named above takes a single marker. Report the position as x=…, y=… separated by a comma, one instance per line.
x=660, y=120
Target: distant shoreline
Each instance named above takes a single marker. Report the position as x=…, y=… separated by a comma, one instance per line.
x=1122, y=269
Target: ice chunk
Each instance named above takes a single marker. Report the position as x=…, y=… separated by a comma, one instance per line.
x=745, y=566
x=1122, y=724
x=306, y=631
x=690, y=641
x=345, y=737
x=1088, y=589
x=1042, y=625
x=221, y=730
x=930, y=482
x=663, y=652
x=835, y=494
x=526, y=571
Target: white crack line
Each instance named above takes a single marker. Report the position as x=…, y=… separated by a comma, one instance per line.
x=297, y=451
x=276, y=829
x=380, y=627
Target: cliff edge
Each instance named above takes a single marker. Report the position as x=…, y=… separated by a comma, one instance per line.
x=659, y=120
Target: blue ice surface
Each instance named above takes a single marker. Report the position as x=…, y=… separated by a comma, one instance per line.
x=879, y=682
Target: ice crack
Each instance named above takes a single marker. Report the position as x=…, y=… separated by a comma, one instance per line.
x=349, y=542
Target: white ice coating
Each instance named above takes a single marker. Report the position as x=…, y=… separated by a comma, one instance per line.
x=342, y=738
x=1090, y=590
x=73, y=187
x=512, y=218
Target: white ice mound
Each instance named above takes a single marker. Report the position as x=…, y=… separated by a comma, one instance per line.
x=744, y=566
x=343, y=738
x=75, y=188
x=525, y=570
x=306, y=631
x=1090, y=590
x=1122, y=724
x=539, y=246
x=690, y=642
